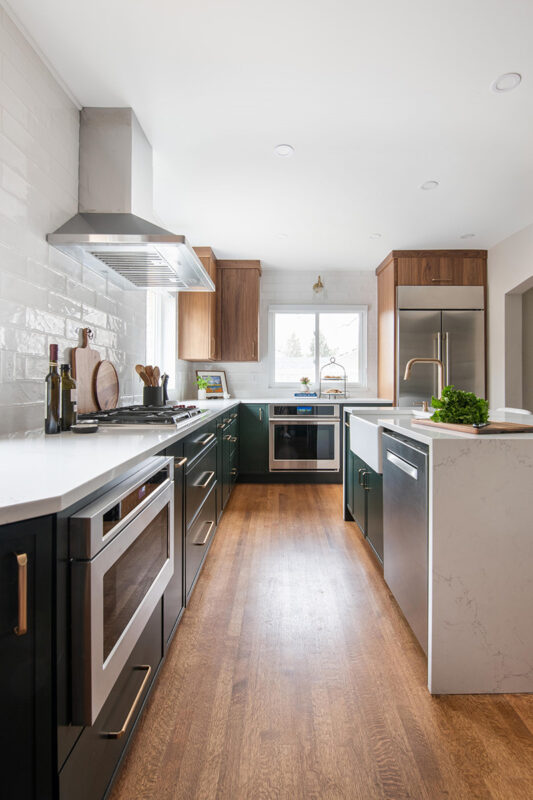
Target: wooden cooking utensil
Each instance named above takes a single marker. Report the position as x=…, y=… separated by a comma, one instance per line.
x=157, y=375
x=150, y=372
x=139, y=369
x=84, y=362
x=106, y=385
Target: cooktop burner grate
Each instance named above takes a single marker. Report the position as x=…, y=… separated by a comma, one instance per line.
x=144, y=415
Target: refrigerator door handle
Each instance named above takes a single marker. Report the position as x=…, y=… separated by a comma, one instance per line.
x=439, y=346
x=447, y=361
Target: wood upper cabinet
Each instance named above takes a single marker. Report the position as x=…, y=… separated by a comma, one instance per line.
x=238, y=308
x=440, y=267
x=197, y=317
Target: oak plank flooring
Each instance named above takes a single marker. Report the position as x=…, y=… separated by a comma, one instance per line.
x=293, y=676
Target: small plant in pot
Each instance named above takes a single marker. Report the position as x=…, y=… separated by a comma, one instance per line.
x=202, y=384
x=305, y=384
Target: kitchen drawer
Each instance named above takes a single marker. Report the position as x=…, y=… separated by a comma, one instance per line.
x=79, y=778
x=198, y=539
x=195, y=444
x=199, y=480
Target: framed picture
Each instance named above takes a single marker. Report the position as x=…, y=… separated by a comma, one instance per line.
x=217, y=386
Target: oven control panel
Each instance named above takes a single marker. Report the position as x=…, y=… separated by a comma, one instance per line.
x=307, y=410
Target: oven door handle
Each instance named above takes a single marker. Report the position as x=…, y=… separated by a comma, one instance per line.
x=303, y=420
x=120, y=733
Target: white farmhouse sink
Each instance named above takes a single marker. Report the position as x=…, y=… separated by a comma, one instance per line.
x=365, y=433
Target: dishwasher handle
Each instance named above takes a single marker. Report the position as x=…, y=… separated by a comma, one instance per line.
x=405, y=466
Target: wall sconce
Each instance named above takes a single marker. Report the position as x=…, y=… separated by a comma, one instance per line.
x=318, y=287
x=319, y=291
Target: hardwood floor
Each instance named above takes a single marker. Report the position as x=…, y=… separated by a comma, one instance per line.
x=294, y=675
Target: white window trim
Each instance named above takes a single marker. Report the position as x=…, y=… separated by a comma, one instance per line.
x=161, y=332
x=317, y=309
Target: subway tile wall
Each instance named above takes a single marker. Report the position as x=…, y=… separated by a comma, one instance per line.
x=286, y=287
x=46, y=297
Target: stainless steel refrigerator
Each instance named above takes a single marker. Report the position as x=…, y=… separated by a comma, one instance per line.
x=440, y=322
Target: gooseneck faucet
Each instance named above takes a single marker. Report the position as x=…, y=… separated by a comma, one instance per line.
x=437, y=361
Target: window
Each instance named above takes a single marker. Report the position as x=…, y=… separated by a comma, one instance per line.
x=304, y=338
x=161, y=333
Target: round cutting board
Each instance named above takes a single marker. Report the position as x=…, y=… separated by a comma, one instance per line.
x=106, y=385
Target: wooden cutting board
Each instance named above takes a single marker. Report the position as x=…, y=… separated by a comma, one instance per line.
x=491, y=428
x=84, y=363
x=106, y=385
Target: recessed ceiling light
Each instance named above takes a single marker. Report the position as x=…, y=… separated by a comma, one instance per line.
x=429, y=185
x=284, y=150
x=375, y=236
x=506, y=82
x=468, y=235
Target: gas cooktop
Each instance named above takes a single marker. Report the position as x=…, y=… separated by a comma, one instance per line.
x=151, y=416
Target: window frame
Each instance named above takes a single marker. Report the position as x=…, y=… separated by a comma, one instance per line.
x=162, y=332
x=315, y=309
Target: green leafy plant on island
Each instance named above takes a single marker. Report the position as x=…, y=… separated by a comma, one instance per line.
x=305, y=381
x=202, y=383
x=458, y=407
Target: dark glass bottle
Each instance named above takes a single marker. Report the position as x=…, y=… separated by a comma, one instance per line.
x=68, y=399
x=52, y=395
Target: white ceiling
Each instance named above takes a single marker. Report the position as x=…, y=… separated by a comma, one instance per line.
x=376, y=96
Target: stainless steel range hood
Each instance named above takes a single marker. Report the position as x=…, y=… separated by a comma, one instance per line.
x=111, y=230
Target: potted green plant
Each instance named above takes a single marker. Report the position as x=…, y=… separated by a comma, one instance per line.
x=202, y=384
x=305, y=384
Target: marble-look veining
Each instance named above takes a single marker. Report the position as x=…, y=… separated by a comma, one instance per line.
x=480, y=588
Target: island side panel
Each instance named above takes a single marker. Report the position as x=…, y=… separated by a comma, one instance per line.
x=481, y=565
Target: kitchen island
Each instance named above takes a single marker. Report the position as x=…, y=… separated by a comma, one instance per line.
x=480, y=554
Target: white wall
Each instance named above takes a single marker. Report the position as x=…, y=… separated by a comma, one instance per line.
x=510, y=264
x=46, y=297
x=280, y=287
x=527, y=350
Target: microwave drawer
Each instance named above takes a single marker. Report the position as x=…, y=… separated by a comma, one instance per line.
x=199, y=480
x=195, y=444
x=198, y=539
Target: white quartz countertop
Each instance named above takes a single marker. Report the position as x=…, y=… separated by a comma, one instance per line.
x=290, y=398
x=398, y=420
x=45, y=474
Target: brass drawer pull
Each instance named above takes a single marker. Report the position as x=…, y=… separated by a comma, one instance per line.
x=234, y=416
x=347, y=424
x=221, y=426
x=207, y=482
x=207, y=439
x=180, y=462
x=233, y=438
x=441, y=280
x=22, y=561
x=206, y=537
x=234, y=471
x=119, y=734
x=260, y=415
x=227, y=437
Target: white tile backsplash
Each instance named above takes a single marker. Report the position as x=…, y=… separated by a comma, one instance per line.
x=45, y=297
x=283, y=287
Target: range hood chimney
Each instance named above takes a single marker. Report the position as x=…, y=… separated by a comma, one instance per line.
x=112, y=230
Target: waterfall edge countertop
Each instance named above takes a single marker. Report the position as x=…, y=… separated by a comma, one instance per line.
x=480, y=552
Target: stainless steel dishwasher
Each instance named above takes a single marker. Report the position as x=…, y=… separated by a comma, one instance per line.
x=405, y=528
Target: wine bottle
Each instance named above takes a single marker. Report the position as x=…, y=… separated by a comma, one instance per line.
x=52, y=395
x=68, y=399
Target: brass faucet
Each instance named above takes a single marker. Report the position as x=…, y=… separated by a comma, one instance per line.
x=437, y=361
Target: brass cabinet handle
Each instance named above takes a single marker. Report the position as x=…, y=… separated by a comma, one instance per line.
x=227, y=437
x=207, y=439
x=180, y=462
x=234, y=416
x=221, y=426
x=207, y=482
x=206, y=537
x=120, y=733
x=347, y=424
x=260, y=415
x=22, y=561
x=234, y=471
x=441, y=280
x=365, y=486
x=233, y=438
x=359, y=471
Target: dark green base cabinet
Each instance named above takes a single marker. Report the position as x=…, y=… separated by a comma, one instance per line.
x=26, y=659
x=364, y=500
x=253, y=439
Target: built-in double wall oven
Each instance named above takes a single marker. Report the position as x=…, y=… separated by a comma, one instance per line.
x=122, y=559
x=304, y=437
